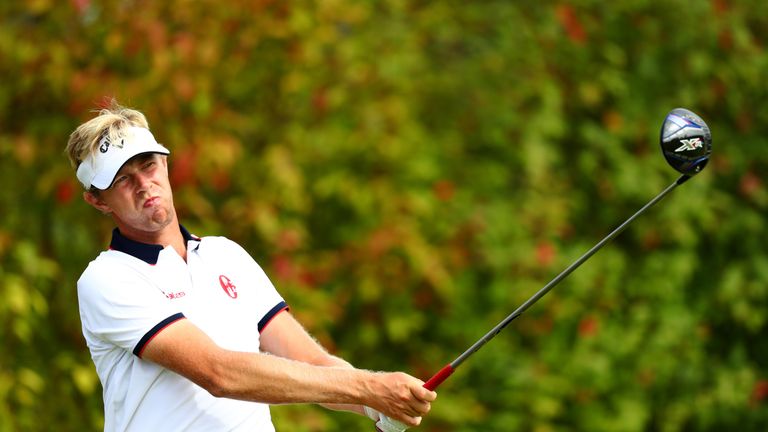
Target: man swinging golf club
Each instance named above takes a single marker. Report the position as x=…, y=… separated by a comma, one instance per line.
x=187, y=333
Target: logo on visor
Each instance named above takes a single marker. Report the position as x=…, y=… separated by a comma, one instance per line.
x=228, y=286
x=105, y=143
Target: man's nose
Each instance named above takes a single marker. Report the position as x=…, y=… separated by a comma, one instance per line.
x=142, y=182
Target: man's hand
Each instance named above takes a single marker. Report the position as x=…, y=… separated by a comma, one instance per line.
x=396, y=395
x=401, y=397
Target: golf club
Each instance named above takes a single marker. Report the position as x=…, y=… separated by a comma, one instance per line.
x=686, y=143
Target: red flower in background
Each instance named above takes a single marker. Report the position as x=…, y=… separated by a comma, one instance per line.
x=65, y=191
x=759, y=392
x=545, y=253
x=571, y=23
x=589, y=326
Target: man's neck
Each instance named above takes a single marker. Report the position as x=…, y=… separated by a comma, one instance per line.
x=170, y=235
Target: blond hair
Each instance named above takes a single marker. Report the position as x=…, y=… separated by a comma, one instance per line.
x=110, y=122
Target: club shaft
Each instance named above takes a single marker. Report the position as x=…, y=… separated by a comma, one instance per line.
x=442, y=375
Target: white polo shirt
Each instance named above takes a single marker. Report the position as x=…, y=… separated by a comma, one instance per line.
x=131, y=292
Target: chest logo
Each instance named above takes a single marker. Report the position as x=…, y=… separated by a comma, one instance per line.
x=176, y=295
x=228, y=286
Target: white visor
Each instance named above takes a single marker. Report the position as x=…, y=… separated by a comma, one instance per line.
x=100, y=167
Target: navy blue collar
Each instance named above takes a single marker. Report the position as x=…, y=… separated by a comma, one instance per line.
x=148, y=253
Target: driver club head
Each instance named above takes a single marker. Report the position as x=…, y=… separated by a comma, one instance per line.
x=685, y=141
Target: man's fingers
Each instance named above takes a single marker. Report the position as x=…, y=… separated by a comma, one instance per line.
x=412, y=413
x=420, y=404
x=418, y=408
x=404, y=398
x=410, y=420
x=426, y=395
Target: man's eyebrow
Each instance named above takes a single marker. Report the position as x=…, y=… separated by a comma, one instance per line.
x=138, y=159
x=146, y=156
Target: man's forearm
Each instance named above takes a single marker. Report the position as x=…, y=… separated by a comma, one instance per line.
x=275, y=380
x=312, y=378
x=334, y=361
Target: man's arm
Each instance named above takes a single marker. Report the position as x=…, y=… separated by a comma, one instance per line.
x=188, y=351
x=286, y=337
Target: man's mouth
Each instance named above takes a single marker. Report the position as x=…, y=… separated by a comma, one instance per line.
x=150, y=202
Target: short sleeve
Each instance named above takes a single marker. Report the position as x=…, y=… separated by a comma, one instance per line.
x=270, y=302
x=120, y=306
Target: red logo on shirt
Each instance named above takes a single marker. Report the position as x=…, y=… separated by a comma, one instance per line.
x=228, y=286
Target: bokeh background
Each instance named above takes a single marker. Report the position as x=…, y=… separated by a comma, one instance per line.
x=407, y=173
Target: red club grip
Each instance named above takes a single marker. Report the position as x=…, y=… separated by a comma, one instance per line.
x=439, y=377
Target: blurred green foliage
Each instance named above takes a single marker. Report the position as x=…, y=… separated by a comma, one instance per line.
x=408, y=172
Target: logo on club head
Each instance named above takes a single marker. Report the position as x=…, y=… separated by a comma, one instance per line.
x=689, y=144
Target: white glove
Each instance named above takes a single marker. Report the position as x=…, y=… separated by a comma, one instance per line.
x=386, y=424
x=371, y=413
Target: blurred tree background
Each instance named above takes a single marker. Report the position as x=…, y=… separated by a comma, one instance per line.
x=408, y=172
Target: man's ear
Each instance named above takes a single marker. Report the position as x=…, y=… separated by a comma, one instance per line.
x=96, y=202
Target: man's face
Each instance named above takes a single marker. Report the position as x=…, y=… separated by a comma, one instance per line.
x=140, y=198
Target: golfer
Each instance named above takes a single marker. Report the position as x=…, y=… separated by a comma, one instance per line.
x=187, y=333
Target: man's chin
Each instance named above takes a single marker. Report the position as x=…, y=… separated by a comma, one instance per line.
x=161, y=218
